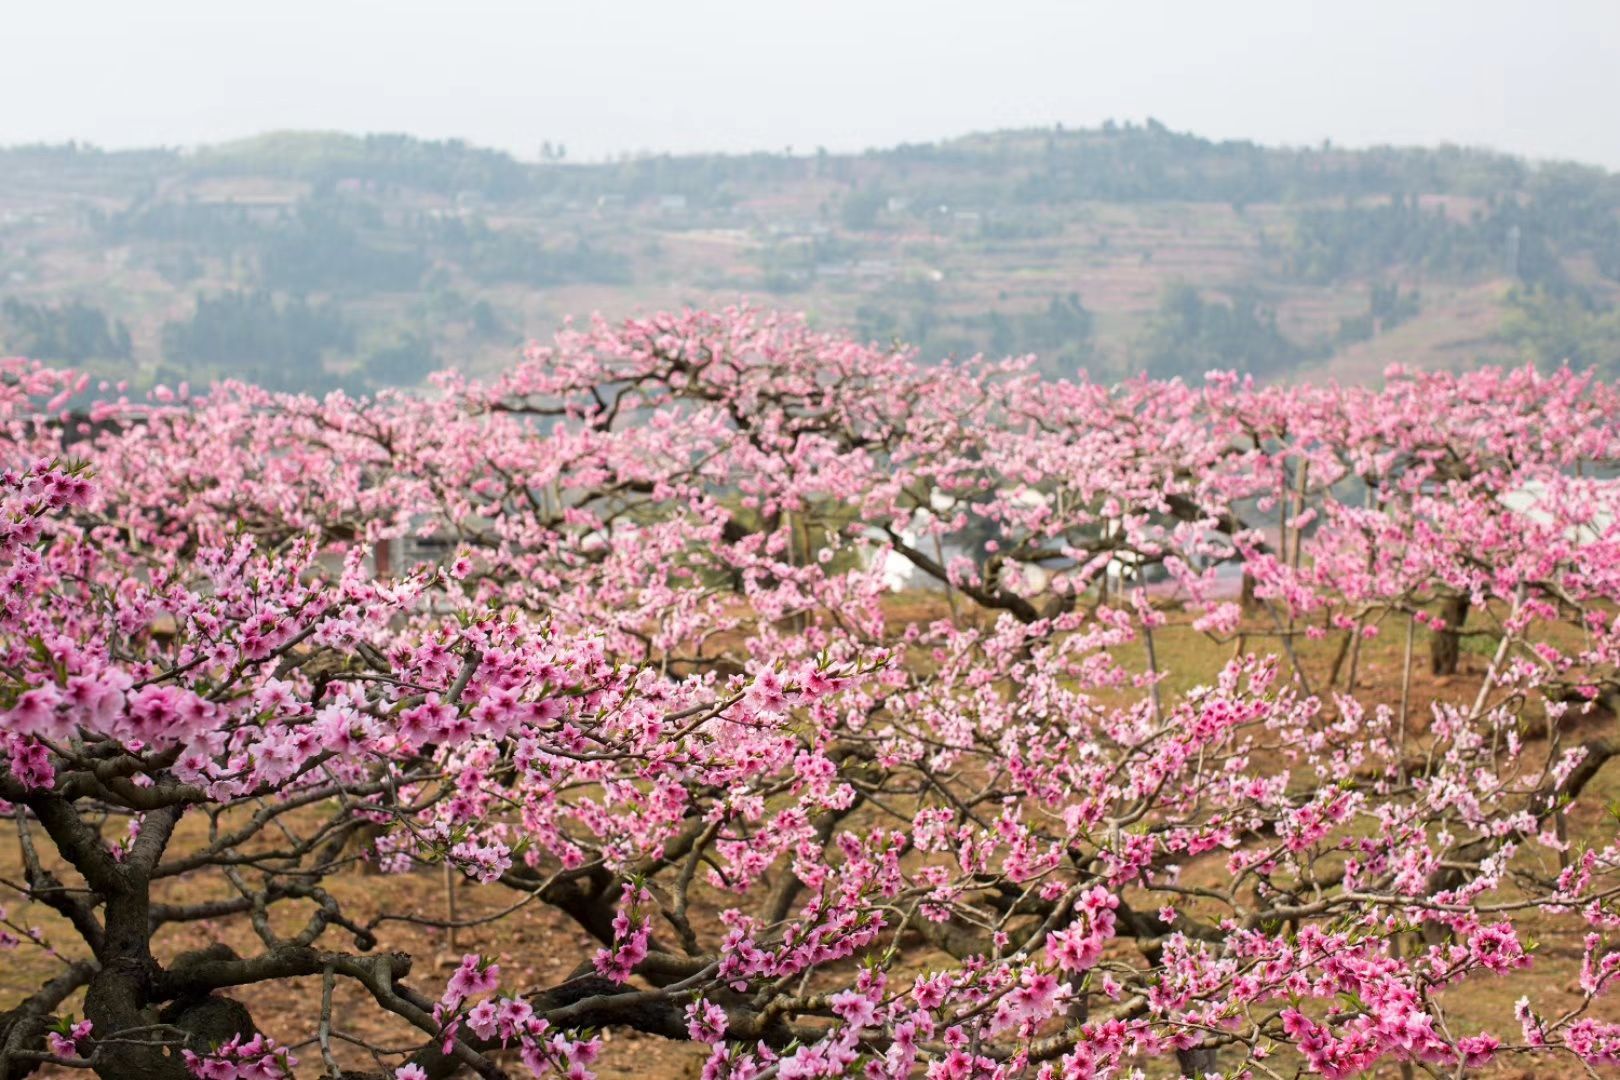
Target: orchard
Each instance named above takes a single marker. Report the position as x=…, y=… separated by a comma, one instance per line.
x=865, y=717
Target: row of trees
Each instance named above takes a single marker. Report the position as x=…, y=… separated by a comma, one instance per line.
x=1112, y=162
x=327, y=159
x=1128, y=162
x=286, y=341
x=1553, y=328
x=1190, y=335
x=341, y=244
x=281, y=342
x=72, y=332
x=1190, y=332
x=1524, y=242
x=657, y=683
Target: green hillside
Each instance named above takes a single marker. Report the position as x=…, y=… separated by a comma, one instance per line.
x=311, y=260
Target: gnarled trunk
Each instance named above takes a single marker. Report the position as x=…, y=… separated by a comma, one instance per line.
x=1197, y=1061
x=1445, y=646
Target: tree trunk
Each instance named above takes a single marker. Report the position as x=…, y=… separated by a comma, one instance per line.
x=1445, y=645
x=1197, y=1061
x=118, y=997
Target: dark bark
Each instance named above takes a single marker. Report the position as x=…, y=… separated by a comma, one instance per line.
x=209, y=1021
x=23, y=1028
x=1197, y=1061
x=119, y=998
x=1445, y=646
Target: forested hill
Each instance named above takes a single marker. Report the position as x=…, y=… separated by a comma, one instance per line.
x=312, y=260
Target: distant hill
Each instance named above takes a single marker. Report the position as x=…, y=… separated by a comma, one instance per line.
x=319, y=259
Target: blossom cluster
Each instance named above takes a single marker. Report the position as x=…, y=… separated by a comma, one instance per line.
x=824, y=691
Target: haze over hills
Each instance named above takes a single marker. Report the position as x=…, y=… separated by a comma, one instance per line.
x=313, y=260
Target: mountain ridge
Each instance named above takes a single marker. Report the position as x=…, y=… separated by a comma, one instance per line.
x=330, y=258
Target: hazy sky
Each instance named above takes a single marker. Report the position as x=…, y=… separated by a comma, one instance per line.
x=602, y=76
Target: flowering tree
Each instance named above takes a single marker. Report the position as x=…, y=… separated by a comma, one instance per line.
x=654, y=677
